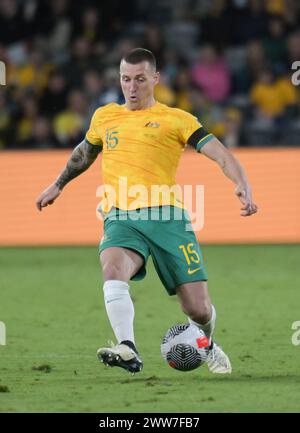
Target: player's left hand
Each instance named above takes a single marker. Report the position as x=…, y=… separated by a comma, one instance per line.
x=48, y=196
x=245, y=196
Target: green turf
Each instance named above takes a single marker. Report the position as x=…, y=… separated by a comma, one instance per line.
x=51, y=303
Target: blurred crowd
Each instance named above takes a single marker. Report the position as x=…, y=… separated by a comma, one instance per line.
x=229, y=62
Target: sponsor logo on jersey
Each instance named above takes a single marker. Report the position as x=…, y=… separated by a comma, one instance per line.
x=152, y=125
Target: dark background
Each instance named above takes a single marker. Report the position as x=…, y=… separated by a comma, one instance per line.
x=226, y=61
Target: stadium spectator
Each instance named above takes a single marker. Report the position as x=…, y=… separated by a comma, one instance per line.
x=217, y=27
x=119, y=48
x=50, y=47
x=42, y=135
x=290, y=95
x=210, y=114
x=13, y=26
x=293, y=49
x=61, y=26
x=93, y=87
x=51, y=22
x=26, y=118
x=291, y=14
x=182, y=84
x=111, y=91
x=91, y=26
x=5, y=121
x=34, y=74
x=211, y=73
x=69, y=125
x=117, y=17
x=172, y=63
x=275, y=7
x=250, y=22
x=153, y=40
x=229, y=130
x=164, y=93
x=275, y=43
x=273, y=97
x=81, y=60
x=256, y=61
x=54, y=97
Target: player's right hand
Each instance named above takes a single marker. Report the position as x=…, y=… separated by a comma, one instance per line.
x=48, y=196
x=244, y=194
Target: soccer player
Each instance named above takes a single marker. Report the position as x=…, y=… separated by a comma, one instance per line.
x=142, y=142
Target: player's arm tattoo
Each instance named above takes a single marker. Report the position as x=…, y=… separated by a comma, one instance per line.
x=82, y=157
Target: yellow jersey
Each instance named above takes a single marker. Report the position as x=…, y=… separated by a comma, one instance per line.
x=272, y=99
x=141, y=150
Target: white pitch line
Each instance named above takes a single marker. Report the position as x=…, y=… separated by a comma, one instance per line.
x=48, y=355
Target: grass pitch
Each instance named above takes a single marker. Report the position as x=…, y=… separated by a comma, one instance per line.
x=51, y=302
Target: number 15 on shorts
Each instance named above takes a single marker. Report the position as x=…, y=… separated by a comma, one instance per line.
x=191, y=256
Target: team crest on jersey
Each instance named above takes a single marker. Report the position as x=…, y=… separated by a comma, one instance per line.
x=152, y=125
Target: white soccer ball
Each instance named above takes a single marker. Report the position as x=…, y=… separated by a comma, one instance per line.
x=185, y=347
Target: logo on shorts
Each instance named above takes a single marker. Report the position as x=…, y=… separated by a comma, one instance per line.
x=192, y=271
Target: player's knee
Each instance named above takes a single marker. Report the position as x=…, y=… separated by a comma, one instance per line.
x=114, y=271
x=200, y=313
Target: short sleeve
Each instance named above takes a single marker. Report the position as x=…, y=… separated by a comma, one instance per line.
x=192, y=132
x=187, y=126
x=92, y=137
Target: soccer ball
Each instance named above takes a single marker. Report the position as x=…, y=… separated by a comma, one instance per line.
x=185, y=347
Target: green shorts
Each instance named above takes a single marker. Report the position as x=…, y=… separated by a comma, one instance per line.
x=175, y=251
